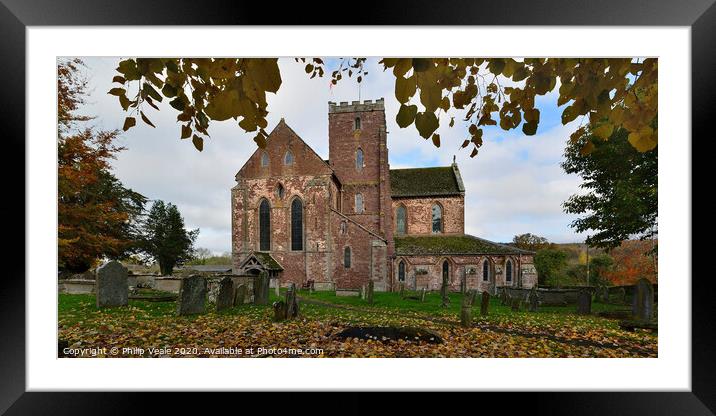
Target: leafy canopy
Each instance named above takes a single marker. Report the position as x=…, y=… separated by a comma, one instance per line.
x=164, y=237
x=482, y=91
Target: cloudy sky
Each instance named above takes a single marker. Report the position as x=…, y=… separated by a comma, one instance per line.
x=515, y=184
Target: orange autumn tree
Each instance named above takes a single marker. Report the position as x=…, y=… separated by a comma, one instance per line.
x=633, y=259
x=96, y=215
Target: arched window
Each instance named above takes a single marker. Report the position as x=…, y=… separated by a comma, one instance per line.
x=280, y=191
x=508, y=271
x=264, y=159
x=446, y=271
x=400, y=215
x=357, y=123
x=288, y=158
x=401, y=271
x=347, y=257
x=437, y=219
x=343, y=227
x=359, y=203
x=296, y=225
x=485, y=271
x=359, y=159
x=264, y=226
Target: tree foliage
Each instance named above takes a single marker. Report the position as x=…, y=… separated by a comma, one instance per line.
x=481, y=91
x=550, y=264
x=97, y=215
x=621, y=199
x=530, y=242
x=164, y=237
x=633, y=259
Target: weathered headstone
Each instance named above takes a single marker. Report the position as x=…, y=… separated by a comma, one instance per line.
x=444, y=293
x=584, y=302
x=621, y=295
x=369, y=292
x=192, y=295
x=515, y=304
x=277, y=288
x=261, y=289
x=291, y=302
x=643, y=302
x=362, y=292
x=466, y=309
x=484, y=303
x=463, y=285
x=111, y=285
x=225, y=297
x=504, y=298
x=279, y=310
x=402, y=289
x=240, y=295
x=533, y=300
x=422, y=295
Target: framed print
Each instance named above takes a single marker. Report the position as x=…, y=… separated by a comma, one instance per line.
x=460, y=197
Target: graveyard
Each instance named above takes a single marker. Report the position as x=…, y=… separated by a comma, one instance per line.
x=257, y=321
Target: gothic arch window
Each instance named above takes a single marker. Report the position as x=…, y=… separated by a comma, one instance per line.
x=508, y=271
x=485, y=271
x=401, y=271
x=280, y=191
x=446, y=270
x=264, y=226
x=347, y=257
x=264, y=159
x=288, y=158
x=359, y=204
x=359, y=159
x=401, y=219
x=296, y=225
x=343, y=227
x=357, y=123
x=437, y=219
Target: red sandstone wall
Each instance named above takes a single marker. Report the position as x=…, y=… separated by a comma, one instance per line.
x=420, y=215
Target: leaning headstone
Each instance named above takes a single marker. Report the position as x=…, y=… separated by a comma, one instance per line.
x=643, y=302
x=369, y=292
x=111, y=285
x=466, y=309
x=240, y=295
x=422, y=295
x=279, y=310
x=225, y=297
x=484, y=303
x=533, y=300
x=192, y=295
x=261, y=289
x=291, y=302
x=584, y=302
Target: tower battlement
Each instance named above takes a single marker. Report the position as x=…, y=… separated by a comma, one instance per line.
x=356, y=106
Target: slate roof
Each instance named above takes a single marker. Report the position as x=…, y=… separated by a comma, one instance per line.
x=451, y=245
x=267, y=260
x=209, y=268
x=416, y=182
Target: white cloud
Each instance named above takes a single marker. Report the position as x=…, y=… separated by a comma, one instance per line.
x=514, y=185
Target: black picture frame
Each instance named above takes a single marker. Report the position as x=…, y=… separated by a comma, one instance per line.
x=16, y=15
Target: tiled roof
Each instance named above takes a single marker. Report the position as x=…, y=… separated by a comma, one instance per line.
x=437, y=181
x=449, y=244
x=267, y=260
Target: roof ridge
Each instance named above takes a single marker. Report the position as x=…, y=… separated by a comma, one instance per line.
x=499, y=244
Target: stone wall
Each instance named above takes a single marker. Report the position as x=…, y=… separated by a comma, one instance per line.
x=419, y=216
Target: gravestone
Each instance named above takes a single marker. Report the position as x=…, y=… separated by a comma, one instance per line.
x=504, y=298
x=533, y=300
x=466, y=309
x=402, y=289
x=278, y=288
x=192, y=295
x=584, y=302
x=515, y=304
x=444, y=293
x=604, y=294
x=621, y=295
x=225, y=297
x=291, y=302
x=261, y=289
x=643, y=302
x=279, y=310
x=240, y=295
x=362, y=292
x=369, y=292
x=422, y=295
x=484, y=303
x=111, y=285
x=463, y=285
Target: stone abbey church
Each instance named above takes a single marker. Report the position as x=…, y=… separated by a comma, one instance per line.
x=342, y=221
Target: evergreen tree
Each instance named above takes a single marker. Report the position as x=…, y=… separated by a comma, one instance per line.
x=164, y=237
